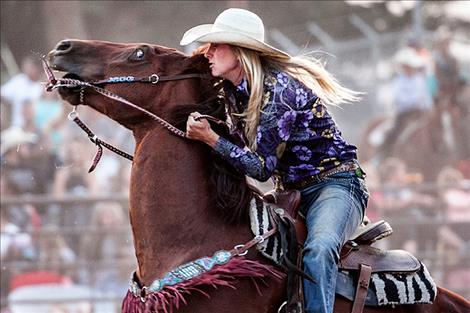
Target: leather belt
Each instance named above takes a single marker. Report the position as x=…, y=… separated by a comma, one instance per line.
x=348, y=166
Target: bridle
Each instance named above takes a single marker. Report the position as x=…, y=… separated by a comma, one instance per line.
x=53, y=83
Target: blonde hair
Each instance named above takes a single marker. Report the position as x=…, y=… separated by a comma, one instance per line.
x=308, y=70
x=251, y=62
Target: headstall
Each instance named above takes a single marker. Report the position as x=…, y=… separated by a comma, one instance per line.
x=54, y=83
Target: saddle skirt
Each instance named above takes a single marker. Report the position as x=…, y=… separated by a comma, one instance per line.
x=397, y=276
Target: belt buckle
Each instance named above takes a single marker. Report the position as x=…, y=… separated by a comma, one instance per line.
x=359, y=172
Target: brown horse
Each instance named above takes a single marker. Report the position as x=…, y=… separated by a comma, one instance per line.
x=440, y=136
x=185, y=202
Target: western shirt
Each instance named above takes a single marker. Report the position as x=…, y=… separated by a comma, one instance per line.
x=296, y=136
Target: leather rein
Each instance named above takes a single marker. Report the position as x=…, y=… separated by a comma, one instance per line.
x=54, y=83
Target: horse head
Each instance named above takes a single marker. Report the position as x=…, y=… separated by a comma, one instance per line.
x=177, y=85
x=111, y=64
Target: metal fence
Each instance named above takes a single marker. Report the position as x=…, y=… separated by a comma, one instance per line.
x=441, y=262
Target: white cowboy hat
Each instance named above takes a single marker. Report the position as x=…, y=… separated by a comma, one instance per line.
x=409, y=57
x=15, y=136
x=237, y=27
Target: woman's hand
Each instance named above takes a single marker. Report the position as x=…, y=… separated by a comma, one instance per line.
x=200, y=130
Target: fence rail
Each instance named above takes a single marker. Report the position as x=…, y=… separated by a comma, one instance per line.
x=438, y=263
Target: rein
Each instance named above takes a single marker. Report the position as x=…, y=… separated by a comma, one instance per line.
x=54, y=83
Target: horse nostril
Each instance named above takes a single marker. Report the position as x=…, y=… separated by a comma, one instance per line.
x=64, y=46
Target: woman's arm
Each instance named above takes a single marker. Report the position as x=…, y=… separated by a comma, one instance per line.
x=260, y=165
x=283, y=96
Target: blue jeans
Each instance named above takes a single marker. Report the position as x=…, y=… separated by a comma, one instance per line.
x=333, y=207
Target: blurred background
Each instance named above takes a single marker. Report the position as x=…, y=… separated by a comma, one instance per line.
x=66, y=243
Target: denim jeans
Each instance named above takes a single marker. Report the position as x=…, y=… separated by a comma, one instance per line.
x=333, y=207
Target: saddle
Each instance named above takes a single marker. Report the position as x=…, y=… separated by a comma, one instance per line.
x=357, y=255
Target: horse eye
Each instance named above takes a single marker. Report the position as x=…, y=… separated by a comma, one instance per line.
x=138, y=54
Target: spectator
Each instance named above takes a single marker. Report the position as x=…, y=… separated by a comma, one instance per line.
x=107, y=241
x=402, y=203
x=14, y=245
x=454, y=235
x=22, y=88
x=72, y=179
x=72, y=176
x=410, y=95
x=27, y=166
x=48, y=109
x=455, y=199
x=410, y=91
x=428, y=60
x=16, y=153
x=24, y=215
x=49, y=117
x=57, y=132
x=447, y=68
x=53, y=252
x=29, y=121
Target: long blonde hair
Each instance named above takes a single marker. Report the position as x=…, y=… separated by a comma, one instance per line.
x=310, y=71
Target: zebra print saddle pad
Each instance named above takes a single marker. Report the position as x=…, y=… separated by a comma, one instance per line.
x=385, y=288
x=391, y=288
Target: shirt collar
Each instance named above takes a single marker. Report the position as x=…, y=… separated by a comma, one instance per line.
x=242, y=88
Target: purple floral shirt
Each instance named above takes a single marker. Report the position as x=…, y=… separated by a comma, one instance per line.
x=296, y=136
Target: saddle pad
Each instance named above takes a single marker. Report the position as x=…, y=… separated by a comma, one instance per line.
x=384, y=289
x=391, y=288
x=261, y=222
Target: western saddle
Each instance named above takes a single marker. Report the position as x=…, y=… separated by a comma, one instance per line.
x=356, y=256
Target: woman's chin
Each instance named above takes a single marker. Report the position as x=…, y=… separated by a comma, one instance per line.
x=214, y=72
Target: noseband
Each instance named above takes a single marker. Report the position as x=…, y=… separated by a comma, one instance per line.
x=54, y=83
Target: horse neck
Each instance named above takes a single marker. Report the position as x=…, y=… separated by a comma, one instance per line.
x=173, y=216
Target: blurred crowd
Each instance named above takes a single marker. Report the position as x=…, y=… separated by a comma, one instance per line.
x=429, y=91
x=69, y=244
x=42, y=153
x=426, y=194
x=430, y=220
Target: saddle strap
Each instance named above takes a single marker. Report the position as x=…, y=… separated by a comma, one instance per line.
x=295, y=303
x=292, y=263
x=365, y=271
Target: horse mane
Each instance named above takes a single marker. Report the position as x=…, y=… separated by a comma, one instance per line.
x=233, y=194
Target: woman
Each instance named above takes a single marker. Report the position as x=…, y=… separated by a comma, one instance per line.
x=278, y=109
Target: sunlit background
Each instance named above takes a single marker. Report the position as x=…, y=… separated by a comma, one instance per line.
x=66, y=243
